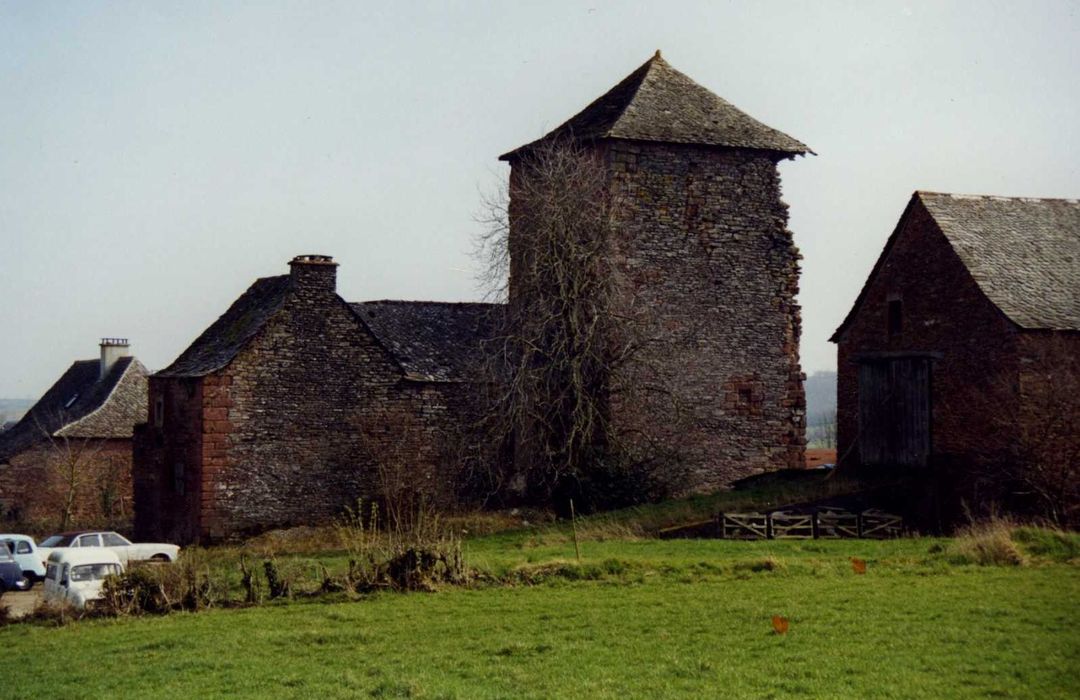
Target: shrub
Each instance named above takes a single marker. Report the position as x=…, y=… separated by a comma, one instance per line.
x=156, y=589
x=986, y=543
x=416, y=553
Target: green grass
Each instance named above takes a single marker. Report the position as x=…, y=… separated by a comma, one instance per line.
x=636, y=617
x=642, y=618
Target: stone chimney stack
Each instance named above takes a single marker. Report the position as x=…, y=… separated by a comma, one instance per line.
x=112, y=349
x=314, y=274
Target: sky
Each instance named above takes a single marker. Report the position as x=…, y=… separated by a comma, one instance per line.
x=158, y=157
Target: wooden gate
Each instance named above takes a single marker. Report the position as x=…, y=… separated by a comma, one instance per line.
x=894, y=411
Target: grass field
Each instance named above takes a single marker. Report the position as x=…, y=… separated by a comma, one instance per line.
x=636, y=617
x=639, y=618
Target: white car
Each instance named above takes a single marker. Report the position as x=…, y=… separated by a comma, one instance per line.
x=26, y=555
x=76, y=576
x=125, y=549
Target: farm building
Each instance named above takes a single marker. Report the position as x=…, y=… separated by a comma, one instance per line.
x=76, y=440
x=962, y=347
x=291, y=405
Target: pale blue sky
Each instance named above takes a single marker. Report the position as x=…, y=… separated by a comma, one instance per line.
x=157, y=157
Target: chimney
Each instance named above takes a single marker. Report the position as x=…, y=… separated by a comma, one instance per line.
x=112, y=349
x=314, y=273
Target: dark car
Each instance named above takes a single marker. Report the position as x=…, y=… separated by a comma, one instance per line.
x=11, y=574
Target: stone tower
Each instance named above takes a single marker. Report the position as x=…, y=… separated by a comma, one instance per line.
x=704, y=246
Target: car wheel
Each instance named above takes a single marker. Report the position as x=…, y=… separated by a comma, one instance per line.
x=30, y=579
x=24, y=584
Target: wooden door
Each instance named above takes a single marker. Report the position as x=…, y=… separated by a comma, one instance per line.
x=894, y=411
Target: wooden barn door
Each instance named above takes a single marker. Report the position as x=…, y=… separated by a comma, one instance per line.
x=894, y=411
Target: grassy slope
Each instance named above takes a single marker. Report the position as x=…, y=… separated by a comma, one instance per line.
x=673, y=618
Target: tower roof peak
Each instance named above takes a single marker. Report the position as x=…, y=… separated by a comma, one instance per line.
x=658, y=103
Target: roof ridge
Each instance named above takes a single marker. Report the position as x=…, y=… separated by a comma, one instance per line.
x=646, y=68
x=995, y=197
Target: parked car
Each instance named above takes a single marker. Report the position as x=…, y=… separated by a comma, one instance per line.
x=26, y=554
x=120, y=545
x=11, y=574
x=76, y=575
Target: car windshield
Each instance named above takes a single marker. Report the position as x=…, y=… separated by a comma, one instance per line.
x=58, y=541
x=93, y=572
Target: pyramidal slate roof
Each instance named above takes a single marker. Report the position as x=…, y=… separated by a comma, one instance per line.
x=1024, y=254
x=82, y=404
x=658, y=103
x=227, y=336
x=432, y=341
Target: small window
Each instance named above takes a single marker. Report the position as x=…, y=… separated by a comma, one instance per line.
x=178, y=478
x=89, y=541
x=159, y=411
x=111, y=539
x=52, y=573
x=896, y=317
x=23, y=547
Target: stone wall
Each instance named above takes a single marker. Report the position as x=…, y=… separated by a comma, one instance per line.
x=711, y=273
x=942, y=312
x=310, y=416
x=168, y=464
x=705, y=245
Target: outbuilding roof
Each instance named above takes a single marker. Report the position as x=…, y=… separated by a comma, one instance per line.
x=219, y=344
x=1024, y=254
x=82, y=404
x=432, y=340
x=658, y=103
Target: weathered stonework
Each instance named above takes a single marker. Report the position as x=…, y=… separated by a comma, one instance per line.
x=703, y=242
x=303, y=421
x=990, y=346
x=711, y=270
x=971, y=339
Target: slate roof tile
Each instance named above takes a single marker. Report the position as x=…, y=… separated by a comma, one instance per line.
x=1023, y=253
x=432, y=340
x=227, y=336
x=658, y=103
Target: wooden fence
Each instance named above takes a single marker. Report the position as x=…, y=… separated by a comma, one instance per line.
x=825, y=523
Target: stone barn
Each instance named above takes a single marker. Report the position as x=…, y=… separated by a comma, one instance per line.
x=962, y=347
x=703, y=242
x=76, y=441
x=295, y=403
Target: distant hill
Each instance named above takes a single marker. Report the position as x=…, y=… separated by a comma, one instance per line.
x=820, y=397
x=13, y=409
x=821, y=409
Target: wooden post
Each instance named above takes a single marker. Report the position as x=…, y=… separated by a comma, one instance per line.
x=573, y=526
